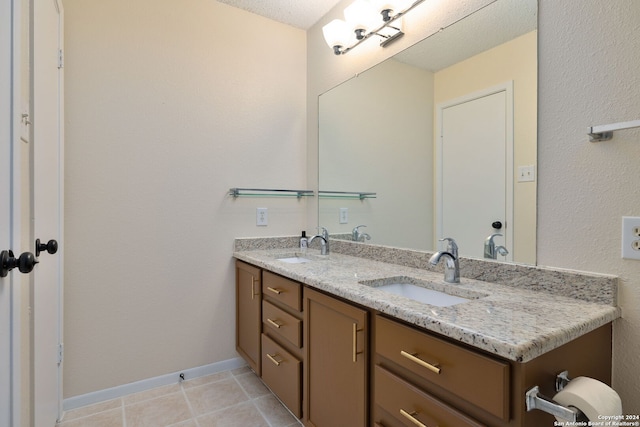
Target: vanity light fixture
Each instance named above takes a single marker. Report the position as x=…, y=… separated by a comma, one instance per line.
x=366, y=18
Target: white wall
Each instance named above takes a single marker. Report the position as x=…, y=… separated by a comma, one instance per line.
x=168, y=105
x=588, y=75
x=589, y=58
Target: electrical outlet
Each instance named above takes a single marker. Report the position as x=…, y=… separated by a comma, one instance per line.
x=631, y=237
x=261, y=217
x=344, y=215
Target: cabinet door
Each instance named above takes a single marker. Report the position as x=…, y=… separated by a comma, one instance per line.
x=248, y=314
x=336, y=363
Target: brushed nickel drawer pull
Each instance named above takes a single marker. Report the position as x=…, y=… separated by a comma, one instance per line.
x=273, y=359
x=274, y=290
x=253, y=287
x=410, y=417
x=355, y=342
x=274, y=323
x=413, y=358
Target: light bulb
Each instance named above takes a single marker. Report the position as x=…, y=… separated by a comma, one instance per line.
x=337, y=34
x=362, y=17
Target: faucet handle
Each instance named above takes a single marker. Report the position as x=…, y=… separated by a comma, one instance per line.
x=452, y=247
x=325, y=232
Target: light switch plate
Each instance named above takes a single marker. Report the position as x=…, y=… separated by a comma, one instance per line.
x=344, y=215
x=526, y=173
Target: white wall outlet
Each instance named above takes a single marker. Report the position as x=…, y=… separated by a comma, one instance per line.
x=526, y=173
x=631, y=237
x=344, y=215
x=261, y=217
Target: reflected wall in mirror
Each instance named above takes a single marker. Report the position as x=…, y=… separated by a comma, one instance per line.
x=382, y=132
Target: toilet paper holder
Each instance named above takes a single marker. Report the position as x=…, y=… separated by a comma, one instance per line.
x=535, y=400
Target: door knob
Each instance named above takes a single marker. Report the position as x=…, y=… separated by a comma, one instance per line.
x=51, y=247
x=25, y=262
x=496, y=224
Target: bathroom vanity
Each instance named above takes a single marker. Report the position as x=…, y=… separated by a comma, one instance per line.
x=339, y=350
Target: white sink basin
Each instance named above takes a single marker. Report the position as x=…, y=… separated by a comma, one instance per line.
x=420, y=294
x=294, y=259
x=426, y=292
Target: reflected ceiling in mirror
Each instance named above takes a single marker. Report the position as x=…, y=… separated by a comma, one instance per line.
x=381, y=132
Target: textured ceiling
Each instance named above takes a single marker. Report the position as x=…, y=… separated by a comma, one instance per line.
x=297, y=13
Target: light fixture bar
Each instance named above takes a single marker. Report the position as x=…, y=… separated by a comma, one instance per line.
x=387, y=39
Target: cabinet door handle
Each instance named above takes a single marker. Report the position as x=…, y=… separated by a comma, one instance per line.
x=274, y=323
x=274, y=290
x=273, y=359
x=413, y=358
x=355, y=342
x=253, y=287
x=410, y=417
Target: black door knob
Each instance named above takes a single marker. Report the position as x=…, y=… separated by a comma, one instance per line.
x=51, y=247
x=497, y=225
x=25, y=262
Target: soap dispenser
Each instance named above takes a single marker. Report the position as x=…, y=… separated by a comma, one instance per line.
x=304, y=242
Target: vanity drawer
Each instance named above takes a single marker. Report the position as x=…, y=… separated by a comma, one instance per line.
x=282, y=323
x=406, y=403
x=282, y=372
x=283, y=290
x=476, y=378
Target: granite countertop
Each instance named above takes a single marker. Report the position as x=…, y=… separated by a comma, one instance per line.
x=515, y=323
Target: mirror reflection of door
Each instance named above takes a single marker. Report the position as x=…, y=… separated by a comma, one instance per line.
x=474, y=162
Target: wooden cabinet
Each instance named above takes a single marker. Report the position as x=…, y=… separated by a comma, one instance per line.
x=248, y=314
x=313, y=351
x=419, y=377
x=282, y=343
x=336, y=373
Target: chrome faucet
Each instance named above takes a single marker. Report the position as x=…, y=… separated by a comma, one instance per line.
x=451, y=264
x=324, y=242
x=356, y=235
x=491, y=251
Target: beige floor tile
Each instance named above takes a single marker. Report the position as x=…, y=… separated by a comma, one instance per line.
x=274, y=412
x=109, y=418
x=150, y=394
x=242, y=415
x=92, y=409
x=190, y=423
x=219, y=376
x=252, y=385
x=241, y=371
x=161, y=411
x=214, y=396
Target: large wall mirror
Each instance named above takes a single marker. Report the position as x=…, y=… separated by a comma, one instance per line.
x=444, y=135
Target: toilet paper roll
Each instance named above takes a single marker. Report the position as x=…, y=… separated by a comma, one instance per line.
x=594, y=398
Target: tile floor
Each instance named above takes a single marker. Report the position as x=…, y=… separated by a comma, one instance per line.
x=234, y=398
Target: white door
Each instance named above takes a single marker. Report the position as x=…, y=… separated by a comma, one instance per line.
x=474, y=171
x=10, y=237
x=47, y=199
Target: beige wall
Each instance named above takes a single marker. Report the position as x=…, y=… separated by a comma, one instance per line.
x=514, y=61
x=168, y=105
x=588, y=57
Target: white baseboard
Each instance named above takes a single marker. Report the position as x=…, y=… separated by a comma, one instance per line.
x=149, y=383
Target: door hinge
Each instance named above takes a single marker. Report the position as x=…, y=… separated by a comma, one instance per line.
x=60, y=353
x=60, y=59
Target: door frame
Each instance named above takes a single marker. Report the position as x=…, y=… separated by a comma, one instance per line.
x=10, y=195
x=506, y=87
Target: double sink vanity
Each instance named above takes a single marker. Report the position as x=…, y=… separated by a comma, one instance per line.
x=370, y=336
